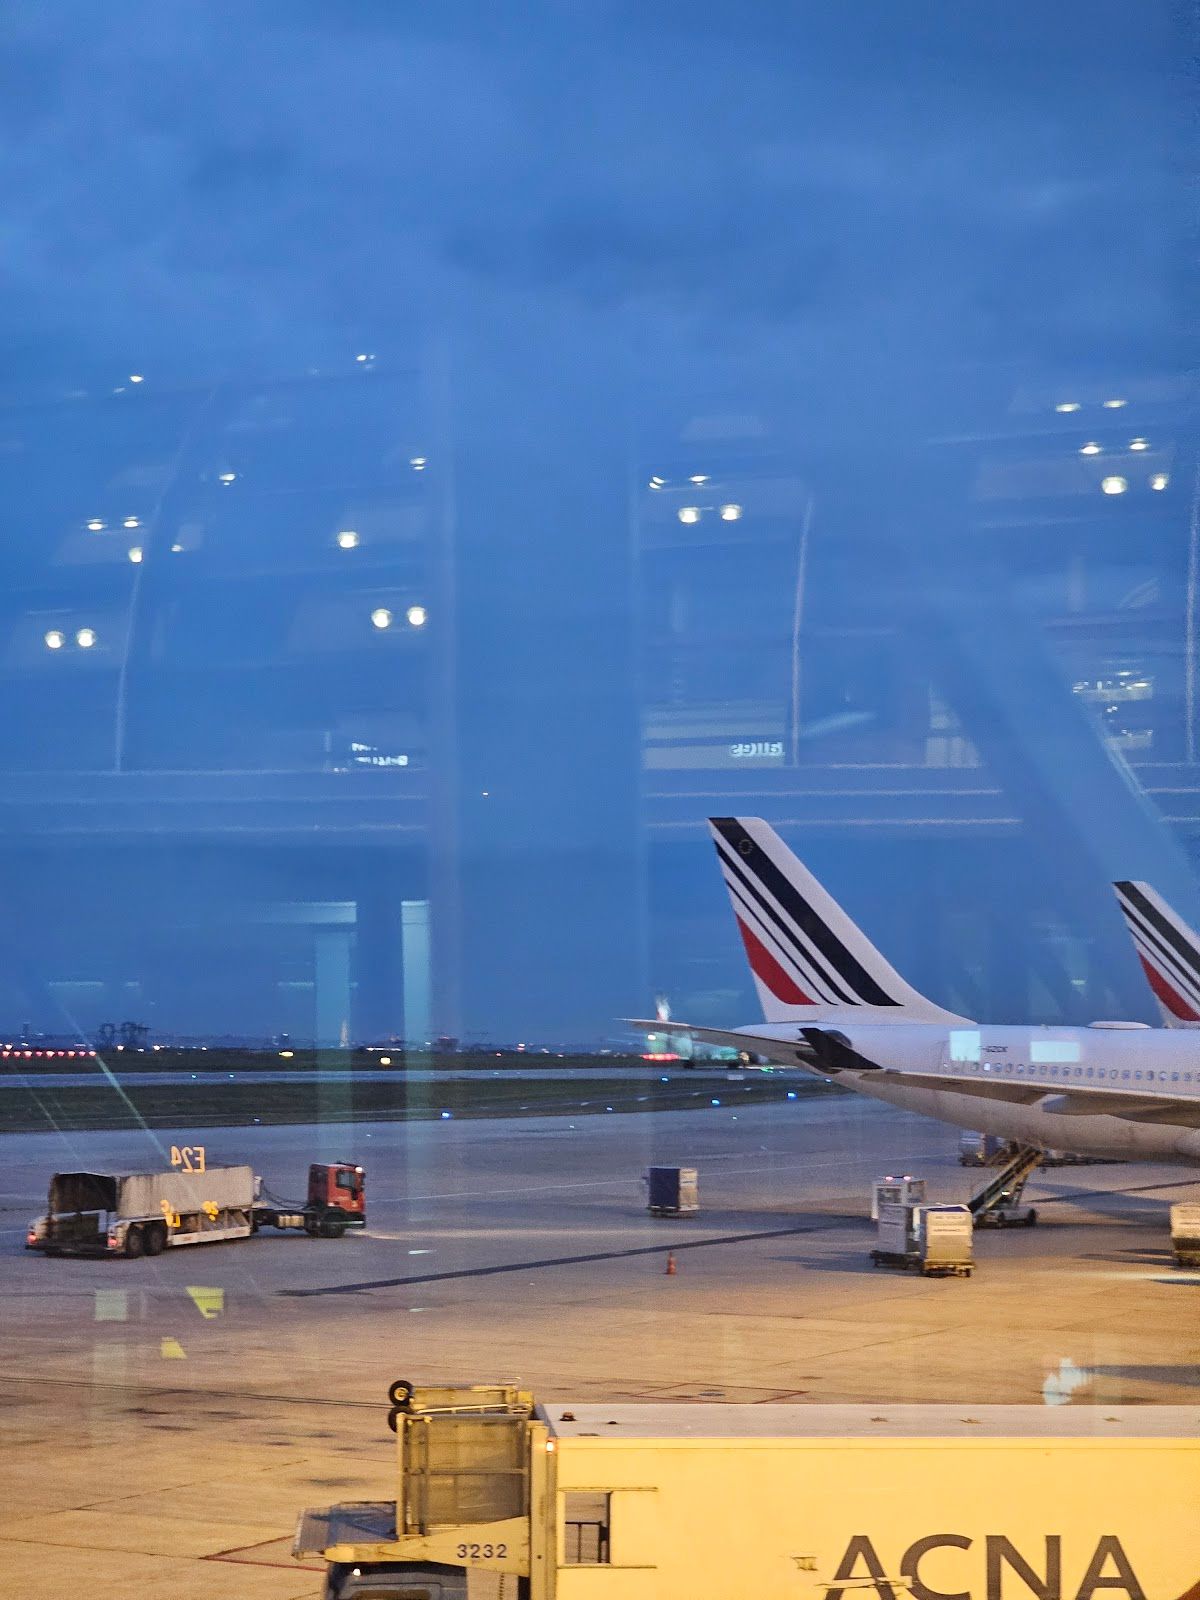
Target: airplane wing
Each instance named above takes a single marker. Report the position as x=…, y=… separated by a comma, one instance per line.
x=779, y=1050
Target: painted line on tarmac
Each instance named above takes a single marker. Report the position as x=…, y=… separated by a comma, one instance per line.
x=556, y=1261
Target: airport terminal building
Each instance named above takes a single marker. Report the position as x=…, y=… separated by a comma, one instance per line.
x=261, y=722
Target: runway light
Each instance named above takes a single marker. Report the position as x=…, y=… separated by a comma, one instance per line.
x=1114, y=485
x=54, y=639
x=1089, y=449
x=1115, y=405
x=1159, y=480
x=381, y=617
x=416, y=616
x=791, y=1094
x=135, y=553
x=347, y=539
x=445, y=1116
x=730, y=513
x=1067, y=405
x=132, y=522
x=714, y=1102
x=1139, y=444
x=85, y=639
x=689, y=513
x=95, y=525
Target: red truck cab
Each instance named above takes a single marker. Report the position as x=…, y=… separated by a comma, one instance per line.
x=338, y=1187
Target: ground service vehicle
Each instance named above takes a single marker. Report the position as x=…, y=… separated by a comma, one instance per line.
x=142, y=1213
x=500, y=1499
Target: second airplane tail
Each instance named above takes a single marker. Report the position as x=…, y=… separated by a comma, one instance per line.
x=1168, y=949
x=810, y=962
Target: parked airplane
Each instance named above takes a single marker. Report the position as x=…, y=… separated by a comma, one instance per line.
x=835, y=1005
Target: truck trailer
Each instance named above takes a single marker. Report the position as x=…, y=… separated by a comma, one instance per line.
x=498, y=1498
x=144, y=1213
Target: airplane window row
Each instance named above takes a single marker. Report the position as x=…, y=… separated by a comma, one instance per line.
x=1124, y=1074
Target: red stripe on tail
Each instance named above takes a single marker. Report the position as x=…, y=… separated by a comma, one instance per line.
x=764, y=966
x=1174, y=1002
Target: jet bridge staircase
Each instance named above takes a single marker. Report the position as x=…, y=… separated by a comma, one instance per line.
x=997, y=1204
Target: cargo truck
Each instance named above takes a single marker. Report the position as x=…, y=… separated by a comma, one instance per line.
x=145, y=1213
x=498, y=1498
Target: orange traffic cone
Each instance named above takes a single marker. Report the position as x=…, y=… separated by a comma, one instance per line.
x=670, y=1268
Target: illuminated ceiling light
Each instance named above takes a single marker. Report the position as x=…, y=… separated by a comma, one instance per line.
x=381, y=617
x=136, y=377
x=698, y=477
x=135, y=553
x=347, y=539
x=54, y=639
x=1159, y=480
x=132, y=522
x=365, y=356
x=730, y=513
x=1114, y=485
x=656, y=482
x=416, y=616
x=175, y=549
x=1115, y=405
x=95, y=525
x=418, y=463
x=689, y=513
x=1139, y=444
x=1089, y=449
x=85, y=638
x=226, y=477
x=1067, y=405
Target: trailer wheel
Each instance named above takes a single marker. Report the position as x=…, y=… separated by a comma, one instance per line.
x=333, y=1228
x=135, y=1244
x=400, y=1392
x=312, y=1227
x=155, y=1239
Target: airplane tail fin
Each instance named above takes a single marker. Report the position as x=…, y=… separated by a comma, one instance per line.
x=1168, y=949
x=810, y=962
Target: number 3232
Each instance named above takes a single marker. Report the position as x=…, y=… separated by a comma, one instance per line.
x=481, y=1552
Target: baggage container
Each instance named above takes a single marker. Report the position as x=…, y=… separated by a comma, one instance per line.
x=672, y=1191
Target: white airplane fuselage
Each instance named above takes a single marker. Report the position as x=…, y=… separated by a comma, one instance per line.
x=1041, y=1086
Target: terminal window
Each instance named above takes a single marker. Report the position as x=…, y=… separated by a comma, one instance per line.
x=585, y=1519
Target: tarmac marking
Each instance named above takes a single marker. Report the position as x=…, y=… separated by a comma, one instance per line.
x=557, y=1261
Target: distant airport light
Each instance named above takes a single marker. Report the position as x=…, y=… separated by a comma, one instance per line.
x=1114, y=485
x=689, y=513
x=132, y=522
x=137, y=377
x=416, y=616
x=1089, y=449
x=54, y=639
x=226, y=477
x=730, y=513
x=1159, y=480
x=1139, y=444
x=347, y=539
x=1115, y=405
x=85, y=638
x=1067, y=405
x=135, y=553
x=381, y=617
x=418, y=463
x=95, y=525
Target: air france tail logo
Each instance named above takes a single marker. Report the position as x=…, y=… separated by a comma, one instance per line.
x=792, y=950
x=995, y=1561
x=1166, y=949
